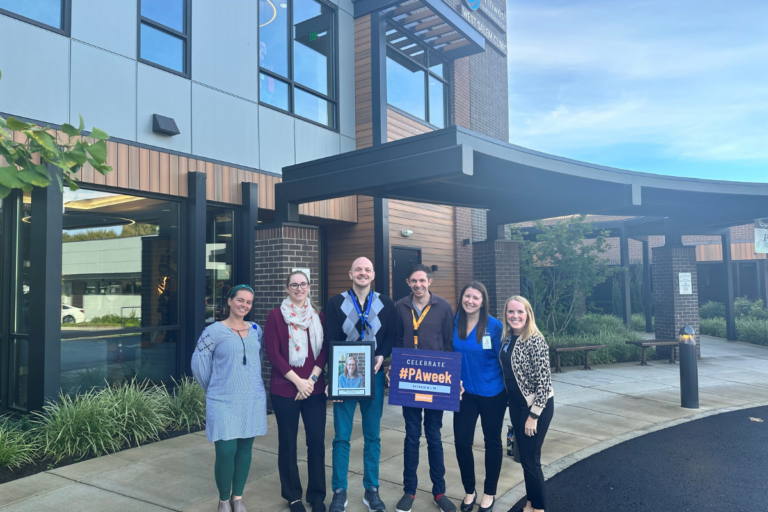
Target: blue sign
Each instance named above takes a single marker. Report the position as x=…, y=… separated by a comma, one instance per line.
x=425, y=378
x=473, y=4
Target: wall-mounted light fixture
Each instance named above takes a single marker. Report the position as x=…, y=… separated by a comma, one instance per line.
x=406, y=232
x=467, y=241
x=164, y=125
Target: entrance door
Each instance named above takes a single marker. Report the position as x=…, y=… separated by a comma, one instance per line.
x=403, y=258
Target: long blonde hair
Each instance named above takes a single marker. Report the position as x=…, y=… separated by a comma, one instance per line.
x=530, y=324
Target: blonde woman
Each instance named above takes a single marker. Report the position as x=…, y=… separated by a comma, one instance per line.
x=525, y=361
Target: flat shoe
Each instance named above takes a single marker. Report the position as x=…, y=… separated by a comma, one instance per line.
x=467, y=507
x=488, y=509
x=225, y=506
x=238, y=505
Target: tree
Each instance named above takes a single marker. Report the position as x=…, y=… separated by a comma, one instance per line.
x=560, y=268
x=27, y=162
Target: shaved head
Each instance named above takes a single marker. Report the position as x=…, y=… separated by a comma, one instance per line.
x=361, y=261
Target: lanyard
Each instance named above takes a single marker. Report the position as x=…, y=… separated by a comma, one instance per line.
x=363, y=316
x=417, y=323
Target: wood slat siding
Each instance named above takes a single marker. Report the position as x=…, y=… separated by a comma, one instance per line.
x=347, y=243
x=400, y=126
x=152, y=170
x=363, y=105
x=740, y=251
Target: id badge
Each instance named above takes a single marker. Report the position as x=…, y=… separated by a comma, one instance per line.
x=487, y=342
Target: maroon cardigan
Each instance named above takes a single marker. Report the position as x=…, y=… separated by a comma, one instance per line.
x=276, y=343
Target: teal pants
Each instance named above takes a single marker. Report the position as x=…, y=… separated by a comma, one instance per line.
x=343, y=416
x=233, y=461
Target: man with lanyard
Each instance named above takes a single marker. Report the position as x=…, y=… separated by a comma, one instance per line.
x=424, y=321
x=356, y=314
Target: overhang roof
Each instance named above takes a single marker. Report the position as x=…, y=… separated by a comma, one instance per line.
x=459, y=167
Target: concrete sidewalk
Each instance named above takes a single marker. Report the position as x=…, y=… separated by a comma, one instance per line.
x=593, y=410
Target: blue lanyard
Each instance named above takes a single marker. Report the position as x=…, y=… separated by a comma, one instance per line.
x=363, y=317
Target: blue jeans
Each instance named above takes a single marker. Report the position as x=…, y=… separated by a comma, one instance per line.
x=343, y=416
x=433, y=422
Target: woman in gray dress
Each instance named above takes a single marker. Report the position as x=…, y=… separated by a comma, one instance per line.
x=227, y=365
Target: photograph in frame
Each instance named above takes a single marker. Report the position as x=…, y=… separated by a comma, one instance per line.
x=350, y=370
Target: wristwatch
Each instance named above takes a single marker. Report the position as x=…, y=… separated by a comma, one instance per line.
x=313, y=377
x=533, y=415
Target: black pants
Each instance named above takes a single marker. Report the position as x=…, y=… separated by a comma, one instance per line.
x=491, y=411
x=312, y=412
x=530, y=449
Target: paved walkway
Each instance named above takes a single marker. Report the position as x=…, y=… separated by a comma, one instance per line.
x=594, y=410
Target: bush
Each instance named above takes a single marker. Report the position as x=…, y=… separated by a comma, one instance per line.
x=743, y=306
x=17, y=447
x=138, y=409
x=185, y=406
x=752, y=330
x=594, y=324
x=77, y=427
x=601, y=330
x=638, y=322
x=713, y=327
x=712, y=309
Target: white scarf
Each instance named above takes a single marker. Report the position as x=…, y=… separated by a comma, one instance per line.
x=302, y=322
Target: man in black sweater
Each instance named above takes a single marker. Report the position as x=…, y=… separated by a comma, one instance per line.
x=360, y=313
x=424, y=321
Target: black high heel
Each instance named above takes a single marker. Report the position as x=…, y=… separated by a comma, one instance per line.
x=467, y=507
x=489, y=509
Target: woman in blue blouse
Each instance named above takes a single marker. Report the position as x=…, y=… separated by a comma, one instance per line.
x=351, y=377
x=477, y=336
x=227, y=364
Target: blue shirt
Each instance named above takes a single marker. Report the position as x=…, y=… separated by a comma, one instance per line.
x=480, y=368
x=350, y=382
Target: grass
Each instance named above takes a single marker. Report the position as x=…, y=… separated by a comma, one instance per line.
x=185, y=405
x=606, y=330
x=17, y=447
x=138, y=409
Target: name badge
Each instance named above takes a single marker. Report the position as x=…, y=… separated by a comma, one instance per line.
x=487, y=342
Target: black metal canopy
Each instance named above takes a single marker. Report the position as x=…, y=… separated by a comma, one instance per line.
x=459, y=167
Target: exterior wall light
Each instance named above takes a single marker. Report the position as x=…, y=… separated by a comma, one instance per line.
x=406, y=232
x=164, y=125
x=689, y=372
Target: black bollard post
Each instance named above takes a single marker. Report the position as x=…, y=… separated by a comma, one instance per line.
x=689, y=371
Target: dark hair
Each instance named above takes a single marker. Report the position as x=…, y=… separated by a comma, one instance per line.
x=294, y=273
x=419, y=268
x=482, y=322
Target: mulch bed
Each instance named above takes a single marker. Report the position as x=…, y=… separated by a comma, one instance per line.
x=38, y=466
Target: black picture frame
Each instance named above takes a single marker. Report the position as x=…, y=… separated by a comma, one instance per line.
x=339, y=353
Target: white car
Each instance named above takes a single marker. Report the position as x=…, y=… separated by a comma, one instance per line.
x=71, y=315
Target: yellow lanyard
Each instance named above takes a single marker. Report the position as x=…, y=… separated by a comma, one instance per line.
x=417, y=323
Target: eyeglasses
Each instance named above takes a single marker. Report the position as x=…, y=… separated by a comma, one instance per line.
x=296, y=286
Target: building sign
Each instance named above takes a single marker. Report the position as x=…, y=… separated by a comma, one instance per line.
x=491, y=34
x=495, y=13
x=761, y=236
x=425, y=379
x=685, y=282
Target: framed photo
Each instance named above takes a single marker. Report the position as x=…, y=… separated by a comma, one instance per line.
x=350, y=368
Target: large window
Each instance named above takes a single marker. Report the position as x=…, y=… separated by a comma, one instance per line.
x=50, y=14
x=120, y=288
x=416, y=82
x=164, y=34
x=219, y=261
x=297, y=42
x=20, y=309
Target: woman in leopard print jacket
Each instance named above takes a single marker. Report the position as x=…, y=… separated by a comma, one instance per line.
x=524, y=358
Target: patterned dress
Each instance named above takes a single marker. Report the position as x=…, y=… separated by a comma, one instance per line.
x=236, y=403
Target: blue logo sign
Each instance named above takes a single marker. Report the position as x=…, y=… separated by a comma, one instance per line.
x=425, y=379
x=473, y=4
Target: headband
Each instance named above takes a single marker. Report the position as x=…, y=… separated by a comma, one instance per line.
x=239, y=287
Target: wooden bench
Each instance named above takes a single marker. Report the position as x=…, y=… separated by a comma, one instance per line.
x=574, y=348
x=644, y=344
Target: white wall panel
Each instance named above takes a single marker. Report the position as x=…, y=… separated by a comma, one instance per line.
x=103, y=90
x=346, y=74
x=108, y=24
x=35, y=66
x=347, y=144
x=314, y=142
x=225, y=48
x=224, y=127
x=276, y=140
x=159, y=92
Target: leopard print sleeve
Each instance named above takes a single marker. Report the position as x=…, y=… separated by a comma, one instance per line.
x=542, y=376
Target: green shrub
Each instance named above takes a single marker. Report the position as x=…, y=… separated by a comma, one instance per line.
x=752, y=330
x=712, y=309
x=638, y=322
x=594, y=324
x=138, y=410
x=742, y=306
x=185, y=405
x=17, y=447
x=79, y=426
x=713, y=327
x=757, y=312
x=601, y=330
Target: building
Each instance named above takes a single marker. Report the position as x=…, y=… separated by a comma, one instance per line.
x=251, y=138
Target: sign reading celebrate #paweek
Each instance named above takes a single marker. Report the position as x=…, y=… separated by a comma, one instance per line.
x=426, y=379
x=761, y=236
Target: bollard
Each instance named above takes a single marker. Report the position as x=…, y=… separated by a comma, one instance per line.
x=689, y=371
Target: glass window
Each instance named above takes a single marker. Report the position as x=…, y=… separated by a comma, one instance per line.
x=405, y=85
x=47, y=12
x=302, y=30
x=219, y=261
x=164, y=34
x=436, y=102
x=23, y=270
x=20, y=375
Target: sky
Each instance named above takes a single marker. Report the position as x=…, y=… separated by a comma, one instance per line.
x=675, y=87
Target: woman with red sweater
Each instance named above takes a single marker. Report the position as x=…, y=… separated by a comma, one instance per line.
x=293, y=336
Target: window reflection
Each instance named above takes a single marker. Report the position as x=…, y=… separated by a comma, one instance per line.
x=159, y=43
x=405, y=85
x=219, y=261
x=49, y=12
x=314, y=108
x=20, y=376
x=162, y=48
x=166, y=12
x=273, y=91
x=23, y=269
x=436, y=102
x=312, y=45
x=273, y=36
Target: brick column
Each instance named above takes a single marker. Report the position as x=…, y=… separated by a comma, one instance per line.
x=279, y=249
x=497, y=265
x=673, y=310
x=462, y=220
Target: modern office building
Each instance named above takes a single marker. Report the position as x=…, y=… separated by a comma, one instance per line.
x=250, y=138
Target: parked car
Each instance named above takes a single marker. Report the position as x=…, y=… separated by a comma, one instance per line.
x=71, y=315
